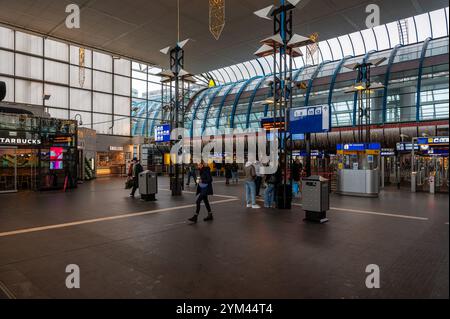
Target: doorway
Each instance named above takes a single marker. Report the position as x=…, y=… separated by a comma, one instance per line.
x=8, y=173
x=27, y=168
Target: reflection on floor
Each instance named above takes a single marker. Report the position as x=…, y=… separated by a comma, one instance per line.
x=127, y=250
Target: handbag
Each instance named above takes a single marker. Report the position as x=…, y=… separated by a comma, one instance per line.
x=129, y=183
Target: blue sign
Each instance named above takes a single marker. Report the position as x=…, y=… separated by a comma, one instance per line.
x=437, y=152
x=162, y=133
x=359, y=147
x=313, y=119
x=406, y=147
x=433, y=140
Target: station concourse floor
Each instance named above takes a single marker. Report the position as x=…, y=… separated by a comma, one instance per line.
x=127, y=248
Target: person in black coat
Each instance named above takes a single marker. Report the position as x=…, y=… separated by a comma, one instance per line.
x=137, y=169
x=228, y=173
x=204, y=189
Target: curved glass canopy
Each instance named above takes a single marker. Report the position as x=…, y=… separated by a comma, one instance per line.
x=238, y=101
x=407, y=31
x=243, y=104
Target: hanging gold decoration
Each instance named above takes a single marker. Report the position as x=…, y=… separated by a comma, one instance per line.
x=313, y=48
x=82, y=64
x=216, y=17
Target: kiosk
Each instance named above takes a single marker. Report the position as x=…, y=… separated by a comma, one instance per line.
x=429, y=164
x=358, y=169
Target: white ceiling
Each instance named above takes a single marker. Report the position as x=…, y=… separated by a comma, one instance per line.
x=140, y=28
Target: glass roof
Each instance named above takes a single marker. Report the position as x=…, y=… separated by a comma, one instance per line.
x=412, y=30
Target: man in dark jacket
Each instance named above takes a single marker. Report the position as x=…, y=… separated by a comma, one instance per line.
x=228, y=173
x=137, y=169
x=204, y=189
x=191, y=171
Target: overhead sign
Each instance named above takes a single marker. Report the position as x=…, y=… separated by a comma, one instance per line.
x=406, y=147
x=312, y=119
x=433, y=140
x=162, y=133
x=303, y=153
x=437, y=152
x=387, y=152
x=359, y=147
x=270, y=123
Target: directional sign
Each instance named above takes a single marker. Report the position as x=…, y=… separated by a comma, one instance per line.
x=433, y=140
x=312, y=119
x=162, y=133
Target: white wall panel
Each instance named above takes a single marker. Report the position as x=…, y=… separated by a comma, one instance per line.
x=103, y=103
x=80, y=99
x=59, y=96
x=28, y=67
x=102, y=82
x=56, y=50
x=122, y=105
x=29, y=43
x=29, y=92
x=6, y=62
x=6, y=38
x=56, y=72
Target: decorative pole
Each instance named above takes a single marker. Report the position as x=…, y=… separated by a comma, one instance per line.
x=178, y=75
x=286, y=44
x=363, y=89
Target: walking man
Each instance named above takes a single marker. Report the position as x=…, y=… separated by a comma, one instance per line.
x=137, y=169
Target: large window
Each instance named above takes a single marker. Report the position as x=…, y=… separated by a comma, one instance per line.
x=79, y=83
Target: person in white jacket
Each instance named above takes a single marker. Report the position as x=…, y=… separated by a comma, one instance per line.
x=250, y=187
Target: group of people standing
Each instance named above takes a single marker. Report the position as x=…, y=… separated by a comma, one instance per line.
x=231, y=172
x=254, y=179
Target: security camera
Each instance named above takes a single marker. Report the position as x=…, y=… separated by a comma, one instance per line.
x=2, y=90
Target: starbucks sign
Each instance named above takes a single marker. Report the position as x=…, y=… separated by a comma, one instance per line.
x=13, y=139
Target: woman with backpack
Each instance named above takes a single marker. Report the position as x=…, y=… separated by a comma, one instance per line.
x=204, y=189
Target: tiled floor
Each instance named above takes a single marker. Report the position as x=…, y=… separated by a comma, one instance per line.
x=244, y=253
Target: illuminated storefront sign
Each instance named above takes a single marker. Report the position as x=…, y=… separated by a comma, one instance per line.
x=19, y=141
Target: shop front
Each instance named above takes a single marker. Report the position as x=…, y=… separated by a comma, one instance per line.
x=114, y=155
x=37, y=153
x=87, y=154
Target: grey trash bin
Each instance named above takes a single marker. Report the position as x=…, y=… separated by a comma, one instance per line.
x=316, y=199
x=148, y=185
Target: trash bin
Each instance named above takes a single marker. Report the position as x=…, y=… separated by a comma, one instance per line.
x=316, y=199
x=148, y=185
